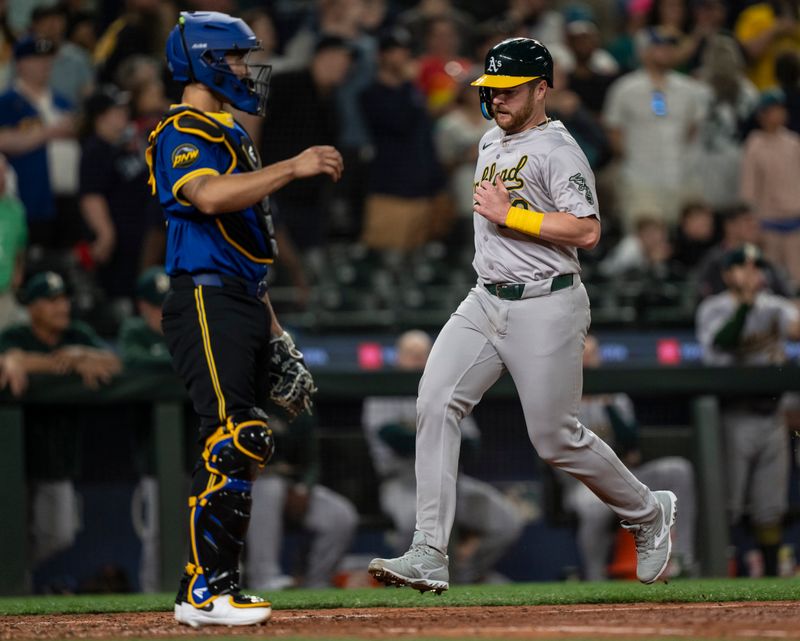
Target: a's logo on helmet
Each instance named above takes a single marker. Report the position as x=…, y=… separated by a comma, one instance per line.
x=184, y=155
x=494, y=65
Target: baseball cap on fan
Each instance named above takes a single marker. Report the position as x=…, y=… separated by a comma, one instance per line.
x=32, y=46
x=152, y=286
x=747, y=253
x=579, y=20
x=44, y=285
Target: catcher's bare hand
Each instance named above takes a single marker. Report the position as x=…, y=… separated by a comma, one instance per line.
x=321, y=159
x=492, y=201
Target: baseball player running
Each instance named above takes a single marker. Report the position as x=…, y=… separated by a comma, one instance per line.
x=535, y=205
x=225, y=342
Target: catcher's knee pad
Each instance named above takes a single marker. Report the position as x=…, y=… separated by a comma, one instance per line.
x=220, y=503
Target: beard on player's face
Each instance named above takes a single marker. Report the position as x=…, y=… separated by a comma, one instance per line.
x=510, y=121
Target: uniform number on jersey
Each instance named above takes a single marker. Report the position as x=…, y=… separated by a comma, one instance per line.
x=580, y=182
x=184, y=156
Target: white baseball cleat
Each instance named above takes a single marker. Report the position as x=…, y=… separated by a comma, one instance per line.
x=653, y=540
x=423, y=568
x=226, y=609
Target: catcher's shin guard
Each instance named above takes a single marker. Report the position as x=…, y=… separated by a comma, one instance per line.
x=220, y=504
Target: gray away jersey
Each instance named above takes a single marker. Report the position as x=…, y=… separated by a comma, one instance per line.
x=544, y=170
x=763, y=339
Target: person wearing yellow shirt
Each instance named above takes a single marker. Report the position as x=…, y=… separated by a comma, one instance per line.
x=765, y=30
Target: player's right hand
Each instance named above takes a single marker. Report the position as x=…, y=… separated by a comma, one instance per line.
x=321, y=159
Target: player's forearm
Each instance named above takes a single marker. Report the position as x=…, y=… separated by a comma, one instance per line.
x=233, y=192
x=35, y=363
x=275, y=328
x=561, y=228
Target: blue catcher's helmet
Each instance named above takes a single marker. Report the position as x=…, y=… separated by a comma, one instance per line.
x=196, y=49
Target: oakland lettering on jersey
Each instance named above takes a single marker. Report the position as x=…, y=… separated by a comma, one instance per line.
x=510, y=177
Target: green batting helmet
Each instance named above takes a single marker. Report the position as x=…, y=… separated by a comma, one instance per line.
x=511, y=63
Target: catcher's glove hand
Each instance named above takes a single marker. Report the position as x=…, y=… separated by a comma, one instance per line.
x=291, y=384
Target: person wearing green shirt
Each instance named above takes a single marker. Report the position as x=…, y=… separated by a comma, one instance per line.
x=52, y=344
x=141, y=341
x=13, y=240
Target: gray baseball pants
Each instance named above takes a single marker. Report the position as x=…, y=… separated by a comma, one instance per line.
x=758, y=456
x=331, y=519
x=539, y=340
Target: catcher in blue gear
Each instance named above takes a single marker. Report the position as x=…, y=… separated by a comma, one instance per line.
x=225, y=341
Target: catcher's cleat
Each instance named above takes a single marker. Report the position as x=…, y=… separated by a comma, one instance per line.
x=225, y=609
x=423, y=568
x=653, y=540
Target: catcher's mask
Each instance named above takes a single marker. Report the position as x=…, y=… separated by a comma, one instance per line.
x=196, y=49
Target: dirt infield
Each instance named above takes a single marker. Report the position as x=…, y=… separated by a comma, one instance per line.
x=750, y=620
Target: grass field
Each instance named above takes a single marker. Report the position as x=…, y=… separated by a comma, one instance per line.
x=680, y=591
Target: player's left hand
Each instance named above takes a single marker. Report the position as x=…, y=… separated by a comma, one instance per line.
x=291, y=384
x=492, y=201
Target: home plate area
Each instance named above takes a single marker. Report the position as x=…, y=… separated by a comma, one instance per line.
x=744, y=620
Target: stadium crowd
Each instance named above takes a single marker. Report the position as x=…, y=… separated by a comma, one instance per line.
x=688, y=111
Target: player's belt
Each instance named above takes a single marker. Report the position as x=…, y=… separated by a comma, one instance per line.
x=516, y=291
x=257, y=290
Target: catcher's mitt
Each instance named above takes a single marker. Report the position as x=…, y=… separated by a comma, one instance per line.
x=290, y=382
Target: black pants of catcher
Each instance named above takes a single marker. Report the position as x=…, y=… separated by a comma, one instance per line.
x=217, y=332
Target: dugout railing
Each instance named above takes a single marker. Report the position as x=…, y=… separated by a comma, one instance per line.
x=700, y=387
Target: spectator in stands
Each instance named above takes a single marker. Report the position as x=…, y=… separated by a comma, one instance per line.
x=787, y=71
x=73, y=69
x=715, y=158
x=141, y=344
x=537, y=19
x=591, y=68
x=744, y=325
x=652, y=115
x=483, y=514
x=739, y=226
x=141, y=29
x=566, y=105
x=7, y=40
x=303, y=112
x=648, y=252
x=115, y=201
x=141, y=340
x=623, y=47
x=398, y=213
x=765, y=30
x=612, y=418
x=31, y=118
x=709, y=19
x=13, y=241
x=288, y=495
x=52, y=344
x=417, y=19
x=141, y=77
x=675, y=20
x=440, y=65
x=770, y=170
x=49, y=22
x=260, y=21
x=694, y=237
